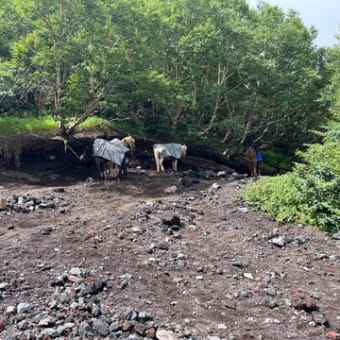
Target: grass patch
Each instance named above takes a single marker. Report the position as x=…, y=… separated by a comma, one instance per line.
x=95, y=124
x=47, y=125
x=13, y=125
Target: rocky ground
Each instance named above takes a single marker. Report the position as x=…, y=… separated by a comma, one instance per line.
x=157, y=256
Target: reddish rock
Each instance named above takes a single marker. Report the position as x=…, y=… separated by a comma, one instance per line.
x=230, y=304
x=302, y=301
x=140, y=328
x=333, y=335
x=150, y=333
x=126, y=326
x=2, y=326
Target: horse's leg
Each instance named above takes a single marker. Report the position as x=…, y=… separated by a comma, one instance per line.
x=109, y=168
x=161, y=160
x=103, y=169
x=119, y=176
x=157, y=156
x=174, y=164
x=254, y=169
x=96, y=162
x=258, y=169
x=123, y=168
x=250, y=168
x=99, y=166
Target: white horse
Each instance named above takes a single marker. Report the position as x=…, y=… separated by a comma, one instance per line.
x=172, y=150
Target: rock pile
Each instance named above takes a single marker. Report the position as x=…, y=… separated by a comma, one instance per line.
x=74, y=309
x=27, y=203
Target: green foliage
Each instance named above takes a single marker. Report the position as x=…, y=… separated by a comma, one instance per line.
x=46, y=124
x=309, y=194
x=278, y=196
x=279, y=158
x=216, y=71
x=320, y=181
x=133, y=125
x=13, y=125
x=95, y=124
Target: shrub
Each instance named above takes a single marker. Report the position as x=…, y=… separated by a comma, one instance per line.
x=278, y=196
x=310, y=193
x=320, y=184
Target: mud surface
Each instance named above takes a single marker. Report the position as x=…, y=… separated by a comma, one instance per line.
x=192, y=256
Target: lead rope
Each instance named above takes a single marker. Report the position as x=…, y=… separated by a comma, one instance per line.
x=66, y=146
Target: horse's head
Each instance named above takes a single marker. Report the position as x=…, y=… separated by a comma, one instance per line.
x=130, y=143
x=184, y=150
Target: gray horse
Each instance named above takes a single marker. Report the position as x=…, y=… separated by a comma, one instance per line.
x=104, y=152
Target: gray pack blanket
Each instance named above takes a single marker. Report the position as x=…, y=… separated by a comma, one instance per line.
x=169, y=150
x=114, y=152
x=117, y=141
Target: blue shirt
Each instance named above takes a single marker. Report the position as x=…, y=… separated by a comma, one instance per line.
x=258, y=156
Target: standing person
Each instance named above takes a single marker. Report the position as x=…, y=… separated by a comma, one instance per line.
x=258, y=162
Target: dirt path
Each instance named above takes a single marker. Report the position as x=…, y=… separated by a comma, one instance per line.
x=193, y=257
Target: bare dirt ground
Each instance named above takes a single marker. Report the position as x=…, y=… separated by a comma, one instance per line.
x=192, y=257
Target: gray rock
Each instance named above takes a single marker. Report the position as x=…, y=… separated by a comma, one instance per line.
x=130, y=314
x=244, y=293
x=279, y=241
x=319, y=318
x=10, y=310
x=48, y=321
x=101, y=327
x=76, y=271
x=237, y=263
x=85, y=331
x=163, y=334
x=62, y=329
x=336, y=236
x=300, y=240
x=3, y=285
x=214, y=187
x=115, y=327
x=137, y=230
x=273, y=233
x=248, y=276
x=271, y=291
x=23, y=307
x=221, y=173
x=180, y=263
x=334, y=258
x=49, y=333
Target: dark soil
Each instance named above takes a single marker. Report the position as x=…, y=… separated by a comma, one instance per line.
x=192, y=256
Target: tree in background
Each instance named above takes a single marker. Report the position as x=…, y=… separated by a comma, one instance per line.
x=210, y=71
x=310, y=193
